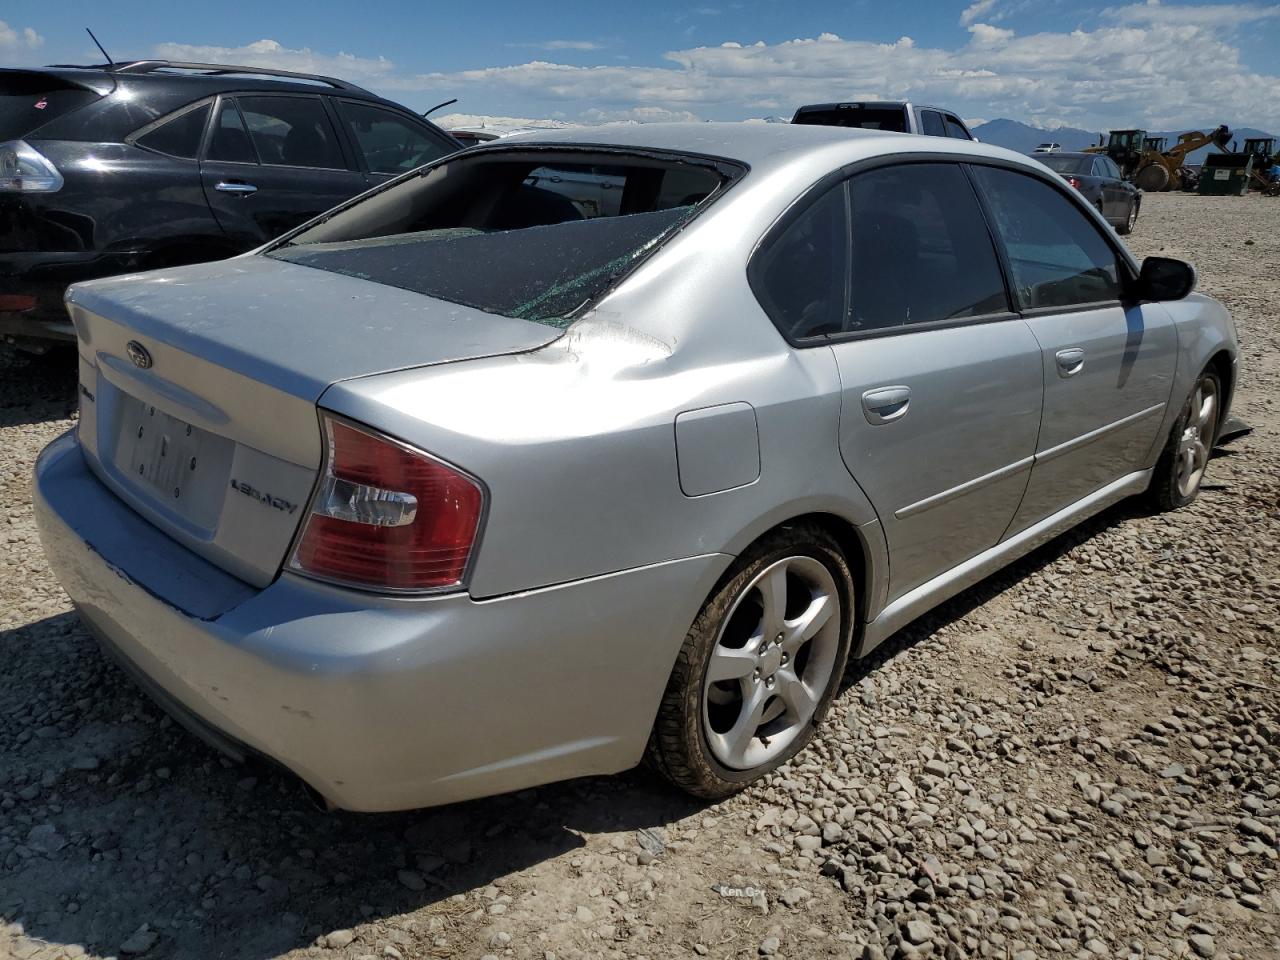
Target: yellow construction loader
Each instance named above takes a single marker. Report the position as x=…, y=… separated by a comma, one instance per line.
x=1156, y=171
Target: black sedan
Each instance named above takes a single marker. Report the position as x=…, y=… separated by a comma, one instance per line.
x=1098, y=178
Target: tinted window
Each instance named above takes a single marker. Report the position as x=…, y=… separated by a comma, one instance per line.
x=956, y=130
x=179, y=137
x=1058, y=257
x=921, y=251
x=230, y=142
x=1112, y=170
x=391, y=143
x=801, y=276
x=292, y=132
x=523, y=236
x=30, y=100
x=1099, y=168
x=1079, y=166
x=931, y=124
x=866, y=118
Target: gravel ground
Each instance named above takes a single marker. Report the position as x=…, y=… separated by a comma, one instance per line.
x=1080, y=757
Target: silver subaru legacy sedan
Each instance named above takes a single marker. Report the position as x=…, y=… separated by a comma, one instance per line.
x=595, y=445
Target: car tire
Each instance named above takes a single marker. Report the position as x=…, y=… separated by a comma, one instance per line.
x=1181, y=467
x=780, y=620
x=1130, y=219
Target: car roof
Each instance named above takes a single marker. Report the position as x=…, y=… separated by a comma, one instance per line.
x=758, y=145
x=1077, y=154
x=200, y=79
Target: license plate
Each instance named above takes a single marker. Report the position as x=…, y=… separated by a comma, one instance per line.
x=1221, y=174
x=160, y=449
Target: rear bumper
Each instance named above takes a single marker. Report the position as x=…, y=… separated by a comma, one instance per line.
x=378, y=704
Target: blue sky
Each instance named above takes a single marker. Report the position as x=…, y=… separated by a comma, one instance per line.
x=1160, y=65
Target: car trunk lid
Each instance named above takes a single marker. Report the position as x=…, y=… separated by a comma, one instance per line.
x=199, y=388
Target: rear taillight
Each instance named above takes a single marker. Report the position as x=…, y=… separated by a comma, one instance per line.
x=23, y=169
x=388, y=516
x=1074, y=181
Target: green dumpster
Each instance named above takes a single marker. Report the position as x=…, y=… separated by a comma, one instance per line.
x=1226, y=174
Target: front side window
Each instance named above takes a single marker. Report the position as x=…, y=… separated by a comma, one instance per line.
x=180, y=136
x=921, y=250
x=391, y=143
x=931, y=124
x=1059, y=258
x=955, y=129
x=801, y=275
x=532, y=234
x=292, y=132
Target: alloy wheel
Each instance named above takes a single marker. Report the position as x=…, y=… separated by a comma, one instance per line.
x=771, y=663
x=1196, y=441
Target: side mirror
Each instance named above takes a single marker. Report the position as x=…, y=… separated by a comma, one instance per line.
x=1163, y=278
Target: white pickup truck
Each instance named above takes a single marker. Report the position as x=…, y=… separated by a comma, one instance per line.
x=900, y=116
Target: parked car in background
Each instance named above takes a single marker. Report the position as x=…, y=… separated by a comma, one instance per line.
x=898, y=116
x=1100, y=182
x=111, y=169
x=1047, y=148
x=468, y=486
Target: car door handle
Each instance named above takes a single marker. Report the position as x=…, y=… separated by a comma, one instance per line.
x=886, y=404
x=231, y=186
x=1070, y=362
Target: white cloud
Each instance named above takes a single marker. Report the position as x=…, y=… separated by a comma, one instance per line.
x=984, y=33
x=13, y=39
x=979, y=8
x=1121, y=73
x=269, y=53
x=1218, y=15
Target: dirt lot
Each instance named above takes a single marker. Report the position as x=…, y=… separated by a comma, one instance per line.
x=1080, y=757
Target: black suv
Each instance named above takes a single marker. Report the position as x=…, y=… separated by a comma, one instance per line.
x=110, y=169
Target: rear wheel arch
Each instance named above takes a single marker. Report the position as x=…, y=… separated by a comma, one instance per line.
x=855, y=548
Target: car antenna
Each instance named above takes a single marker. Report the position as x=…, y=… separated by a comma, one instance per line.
x=439, y=106
x=110, y=62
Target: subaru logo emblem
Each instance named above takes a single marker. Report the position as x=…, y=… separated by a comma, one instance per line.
x=139, y=354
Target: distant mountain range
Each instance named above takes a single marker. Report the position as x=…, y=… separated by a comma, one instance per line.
x=1024, y=138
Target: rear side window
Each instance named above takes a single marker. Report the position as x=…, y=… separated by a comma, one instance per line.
x=389, y=142
x=801, y=276
x=30, y=100
x=530, y=234
x=921, y=251
x=180, y=136
x=931, y=123
x=292, y=132
x=1058, y=256
x=230, y=141
x=955, y=129
x=865, y=118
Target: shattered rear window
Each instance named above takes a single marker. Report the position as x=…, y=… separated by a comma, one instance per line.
x=527, y=234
